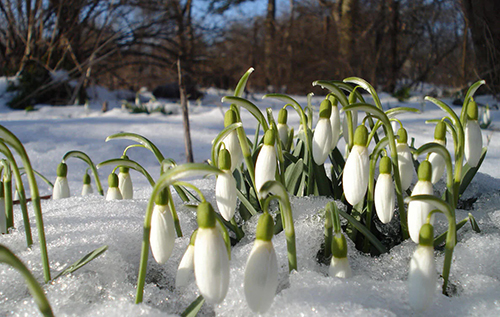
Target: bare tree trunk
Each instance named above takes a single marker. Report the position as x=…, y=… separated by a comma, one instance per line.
x=269, y=40
x=185, y=116
x=394, y=31
x=484, y=23
x=348, y=31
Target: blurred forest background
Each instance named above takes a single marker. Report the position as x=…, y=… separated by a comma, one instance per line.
x=128, y=44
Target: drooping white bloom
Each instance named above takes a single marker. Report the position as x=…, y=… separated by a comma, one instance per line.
x=225, y=187
x=261, y=270
x=211, y=261
x=322, y=138
x=162, y=235
x=185, y=271
x=282, y=126
x=417, y=210
x=335, y=123
x=405, y=160
x=86, y=188
x=473, y=137
x=356, y=169
x=438, y=164
x=422, y=278
x=113, y=190
x=339, y=265
x=125, y=185
x=384, y=192
x=265, y=166
x=232, y=142
x=61, y=187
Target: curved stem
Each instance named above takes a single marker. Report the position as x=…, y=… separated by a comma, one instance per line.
x=84, y=157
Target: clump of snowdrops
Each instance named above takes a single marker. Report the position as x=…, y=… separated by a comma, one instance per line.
x=278, y=163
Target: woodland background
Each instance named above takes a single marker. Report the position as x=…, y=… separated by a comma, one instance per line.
x=128, y=44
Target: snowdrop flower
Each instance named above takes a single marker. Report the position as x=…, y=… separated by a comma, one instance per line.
x=87, y=188
x=422, y=278
x=125, y=182
x=211, y=261
x=61, y=187
x=261, y=270
x=231, y=140
x=405, y=159
x=355, y=177
x=473, y=137
x=3, y=217
x=322, y=138
x=339, y=266
x=335, y=122
x=162, y=234
x=185, y=271
x=418, y=211
x=265, y=167
x=282, y=126
x=436, y=160
x=384, y=191
x=225, y=187
x=113, y=190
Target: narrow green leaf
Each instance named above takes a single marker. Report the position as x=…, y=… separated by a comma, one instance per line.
x=83, y=261
x=240, y=87
x=349, y=88
x=139, y=139
x=391, y=113
x=45, y=179
x=473, y=223
x=366, y=86
x=293, y=175
x=468, y=172
x=334, y=89
x=322, y=181
x=470, y=93
x=193, y=309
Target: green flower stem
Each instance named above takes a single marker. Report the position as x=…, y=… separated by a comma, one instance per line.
x=328, y=231
x=470, y=93
x=7, y=189
x=9, y=138
x=286, y=213
x=173, y=212
x=279, y=148
x=20, y=190
x=394, y=158
x=166, y=179
x=441, y=238
x=450, y=128
x=120, y=162
x=45, y=179
x=451, y=235
x=310, y=110
x=84, y=157
x=132, y=146
x=253, y=109
x=219, y=139
x=6, y=256
x=141, y=140
x=366, y=86
x=237, y=230
x=459, y=150
x=307, y=133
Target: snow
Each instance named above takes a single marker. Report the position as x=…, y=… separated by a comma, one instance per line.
x=106, y=286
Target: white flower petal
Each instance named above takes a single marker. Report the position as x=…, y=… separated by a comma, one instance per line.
x=265, y=167
x=322, y=141
x=418, y=211
x=355, y=177
x=283, y=133
x=261, y=276
x=125, y=185
x=61, y=188
x=473, y=142
x=422, y=278
x=162, y=235
x=385, y=198
x=113, y=193
x=438, y=166
x=211, y=265
x=339, y=267
x=225, y=195
x=233, y=146
x=87, y=190
x=185, y=271
x=335, y=123
x=405, y=164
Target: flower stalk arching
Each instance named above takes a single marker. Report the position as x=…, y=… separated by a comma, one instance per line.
x=287, y=217
x=379, y=114
x=20, y=190
x=6, y=256
x=84, y=157
x=8, y=137
x=165, y=180
x=451, y=236
x=121, y=162
x=139, y=139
